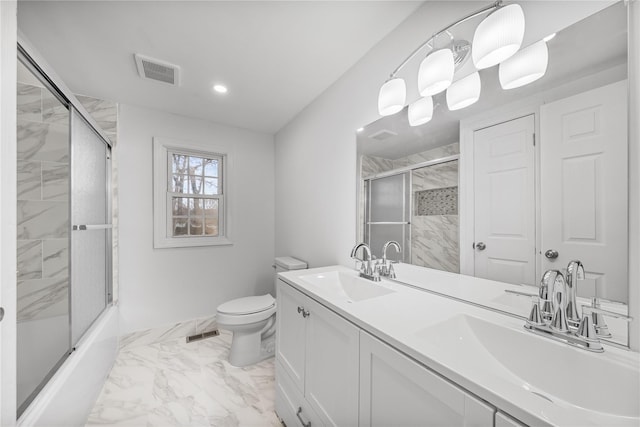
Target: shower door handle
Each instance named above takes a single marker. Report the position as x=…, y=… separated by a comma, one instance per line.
x=88, y=227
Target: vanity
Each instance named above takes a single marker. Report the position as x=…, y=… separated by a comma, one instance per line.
x=353, y=352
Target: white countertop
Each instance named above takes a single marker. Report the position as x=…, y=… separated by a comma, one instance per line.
x=403, y=317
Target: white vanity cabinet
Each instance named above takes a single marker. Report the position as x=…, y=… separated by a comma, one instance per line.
x=316, y=362
x=396, y=390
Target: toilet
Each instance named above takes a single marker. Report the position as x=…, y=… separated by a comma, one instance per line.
x=252, y=320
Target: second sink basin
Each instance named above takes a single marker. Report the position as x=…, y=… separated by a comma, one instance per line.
x=346, y=286
x=542, y=366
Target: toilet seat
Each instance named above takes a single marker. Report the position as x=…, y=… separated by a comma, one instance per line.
x=247, y=305
x=244, y=311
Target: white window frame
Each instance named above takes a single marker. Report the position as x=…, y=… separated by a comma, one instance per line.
x=162, y=194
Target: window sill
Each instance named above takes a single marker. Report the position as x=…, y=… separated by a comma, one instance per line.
x=190, y=242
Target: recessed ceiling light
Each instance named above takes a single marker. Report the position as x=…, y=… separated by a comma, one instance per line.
x=549, y=37
x=220, y=88
x=359, y=129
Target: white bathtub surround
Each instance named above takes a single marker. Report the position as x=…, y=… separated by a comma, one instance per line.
x=167, y=332
x=178, y=384
x=67, y=399
x=438, y=335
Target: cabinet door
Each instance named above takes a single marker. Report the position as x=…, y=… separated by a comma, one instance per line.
x=290, y=405
x=290, y=333
x=503, y=420
x=331, y=373
x=395, y=390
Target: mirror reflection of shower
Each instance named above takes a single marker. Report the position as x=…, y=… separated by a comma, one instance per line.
x=414, y=200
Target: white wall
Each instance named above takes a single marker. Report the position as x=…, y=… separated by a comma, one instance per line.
x=162, y=286
x=316, y=151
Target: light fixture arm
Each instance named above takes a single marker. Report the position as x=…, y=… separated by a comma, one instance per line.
x=472, y=15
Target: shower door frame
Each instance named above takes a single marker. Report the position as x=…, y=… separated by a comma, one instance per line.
x=38, y=66
x=366, y=183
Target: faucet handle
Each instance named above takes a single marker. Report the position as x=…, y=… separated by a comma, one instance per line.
x=587, y=330
x=535, y=317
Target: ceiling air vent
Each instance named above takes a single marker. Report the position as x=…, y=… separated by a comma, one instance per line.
x=383, y=134
x=157, y=70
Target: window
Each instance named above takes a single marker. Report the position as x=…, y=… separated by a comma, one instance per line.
x=190, y=191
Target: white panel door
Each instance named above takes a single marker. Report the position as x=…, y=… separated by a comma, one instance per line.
x=290, y=335
x=504, y=193
x=397, y=391
x=331, y=373
x=584, y=187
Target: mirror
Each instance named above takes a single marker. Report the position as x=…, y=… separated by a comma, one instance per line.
x=522, y=181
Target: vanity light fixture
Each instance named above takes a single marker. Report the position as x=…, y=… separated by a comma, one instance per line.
x=524, y=67
x=220, y=88
x=464, y=92
x=436, y=72
x=498, y=36
x=496, y=39
x=392, y=96
x=421, y=111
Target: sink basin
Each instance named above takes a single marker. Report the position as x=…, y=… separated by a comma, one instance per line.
x=345, y=286
x=549, y=369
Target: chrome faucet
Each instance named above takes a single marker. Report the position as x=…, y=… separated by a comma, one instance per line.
x=386, y=269
x=575, y=272
x=552, y=320
x=553, y=291
x=367, y=269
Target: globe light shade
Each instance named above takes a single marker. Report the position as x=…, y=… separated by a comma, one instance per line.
x=524, y=67
x=464, y=92
x=392, y=96
x=498, y=36
x=421, y=111
x=436, y=72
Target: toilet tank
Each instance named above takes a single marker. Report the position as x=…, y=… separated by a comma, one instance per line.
x=286, y=263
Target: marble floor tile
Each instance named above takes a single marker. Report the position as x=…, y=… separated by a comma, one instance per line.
x=173, y=383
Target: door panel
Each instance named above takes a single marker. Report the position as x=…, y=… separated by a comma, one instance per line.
x=397, y=391
x=91, y=231
x=331, y=374
x=290, y=338
x=387, y=214
x=584, y=187
x=504, y=170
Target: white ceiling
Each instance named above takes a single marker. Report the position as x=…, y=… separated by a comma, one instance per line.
x=275, y=57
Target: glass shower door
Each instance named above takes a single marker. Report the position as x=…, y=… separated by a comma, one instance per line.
x=387, y=214
x=91, y=226
x=42, y=233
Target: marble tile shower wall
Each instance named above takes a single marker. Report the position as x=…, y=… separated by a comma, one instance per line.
x=434, y=238
x=435, y=232
x=43, y=198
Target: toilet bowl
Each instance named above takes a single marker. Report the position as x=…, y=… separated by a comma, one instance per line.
x=252, y=322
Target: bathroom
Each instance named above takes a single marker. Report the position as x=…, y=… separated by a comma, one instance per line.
x=282, y=146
